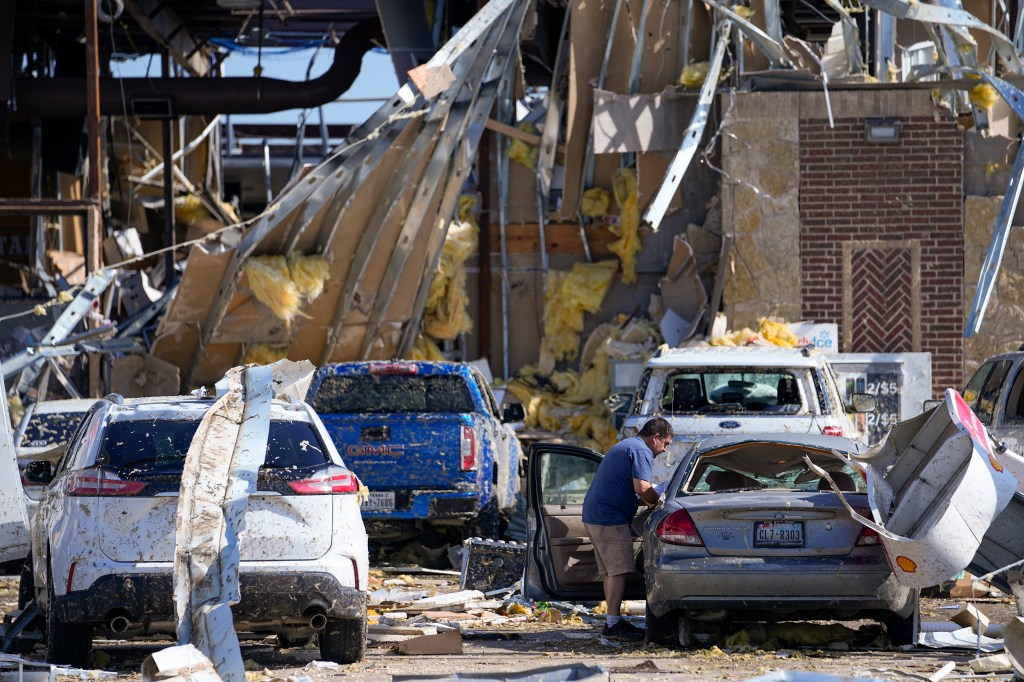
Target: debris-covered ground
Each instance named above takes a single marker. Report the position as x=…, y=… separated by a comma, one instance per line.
x=530, y=636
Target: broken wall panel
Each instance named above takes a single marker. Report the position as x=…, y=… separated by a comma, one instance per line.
x=640, y=123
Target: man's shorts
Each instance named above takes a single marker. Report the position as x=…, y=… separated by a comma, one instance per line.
x=613, y=548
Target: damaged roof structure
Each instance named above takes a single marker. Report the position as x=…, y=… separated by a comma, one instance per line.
x=551, y=181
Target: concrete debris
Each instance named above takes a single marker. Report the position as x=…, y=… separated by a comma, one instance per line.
x=1000, y=663
x=184, y=663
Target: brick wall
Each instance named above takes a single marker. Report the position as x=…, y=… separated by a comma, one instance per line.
x=908, y=196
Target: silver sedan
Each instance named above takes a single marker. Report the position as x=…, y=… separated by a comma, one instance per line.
x=748, y=531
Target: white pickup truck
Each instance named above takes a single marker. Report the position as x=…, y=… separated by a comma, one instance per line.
x=714, y=391
x=996, y=394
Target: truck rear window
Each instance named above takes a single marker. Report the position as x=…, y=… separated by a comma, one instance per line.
x=393, y=393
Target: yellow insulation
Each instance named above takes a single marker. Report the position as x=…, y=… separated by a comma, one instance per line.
x=628, y=243
x=445, y=313
x=743, y=12
x=983, y=96
x=596, y=202
x=265, y=353
x=694, y=75
x=568, y=296
x=308, y=274
x=769, y=332
x=523, y=152
x=271, y=285
x=425, y=349
x=571, y=404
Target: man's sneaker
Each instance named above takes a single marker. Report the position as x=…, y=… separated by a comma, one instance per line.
x=623, y=630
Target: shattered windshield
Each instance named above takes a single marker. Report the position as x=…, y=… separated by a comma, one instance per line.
x=393, y=393
x=161, y=445
x=762, y=466
x=734, y=391
x=52, y=428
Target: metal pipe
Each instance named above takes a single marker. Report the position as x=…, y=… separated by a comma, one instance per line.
x=505, y=115
x=168, y=154
x=92, y=111
x=318, y=621
x=191, y=96
x=119, y=624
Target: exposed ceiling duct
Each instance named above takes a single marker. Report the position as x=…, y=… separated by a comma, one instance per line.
x=65, y=96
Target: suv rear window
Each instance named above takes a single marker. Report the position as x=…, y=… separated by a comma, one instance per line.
x=368, y=393
x=159, y=446
x=732, y=390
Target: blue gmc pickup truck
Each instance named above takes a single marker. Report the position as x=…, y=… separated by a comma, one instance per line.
x=427, y=439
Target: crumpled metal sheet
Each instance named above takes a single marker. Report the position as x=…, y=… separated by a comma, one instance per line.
x=219, y=474
x=569, y=673
x=934, y=486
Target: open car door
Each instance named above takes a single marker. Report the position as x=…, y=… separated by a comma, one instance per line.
x=560, y=562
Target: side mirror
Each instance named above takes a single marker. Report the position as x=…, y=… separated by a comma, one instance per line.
x=39, y=472
x=863, y=402
x=513, y=412
x=932, y=404
x=619, y=402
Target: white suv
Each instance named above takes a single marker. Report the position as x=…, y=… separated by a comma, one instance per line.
x=714, y=391
x=104, y=536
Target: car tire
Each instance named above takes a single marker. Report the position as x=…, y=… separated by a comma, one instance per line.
x=66, y=643
x=663, y=630
x=343, y=640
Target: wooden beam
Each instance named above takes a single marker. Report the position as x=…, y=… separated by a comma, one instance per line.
x=562, y=238
x=512, y=131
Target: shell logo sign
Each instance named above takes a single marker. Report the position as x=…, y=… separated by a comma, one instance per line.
x=906, y=563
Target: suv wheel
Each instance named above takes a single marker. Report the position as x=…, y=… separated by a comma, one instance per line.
x=66, y=643
x=343, y=640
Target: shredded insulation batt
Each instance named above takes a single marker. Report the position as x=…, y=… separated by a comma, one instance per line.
x=271, y=285
x=568, y=296
x=445, y=313
x=627, y=231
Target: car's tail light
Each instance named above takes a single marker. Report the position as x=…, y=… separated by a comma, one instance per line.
x=467, y=449
x=331, y=480
x=71, y=574
x=868, y=537
x=832, y=431
x=101, y=483
x=677, y=529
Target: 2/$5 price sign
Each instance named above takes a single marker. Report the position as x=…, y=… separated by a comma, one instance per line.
x=885, y=386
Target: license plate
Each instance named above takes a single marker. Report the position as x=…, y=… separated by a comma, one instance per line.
x=380, y=501
x=779, y=534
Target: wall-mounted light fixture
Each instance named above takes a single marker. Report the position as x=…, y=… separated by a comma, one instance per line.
x=882, y=130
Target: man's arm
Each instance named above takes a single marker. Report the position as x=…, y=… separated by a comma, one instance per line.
x=646, y=492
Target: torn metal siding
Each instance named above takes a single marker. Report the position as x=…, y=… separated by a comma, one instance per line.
x=398, y=154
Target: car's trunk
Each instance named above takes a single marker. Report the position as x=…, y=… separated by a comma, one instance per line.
x=774, y=523
x=290, y=527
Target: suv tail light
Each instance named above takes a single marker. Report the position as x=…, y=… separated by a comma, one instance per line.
x=677, y=529
x=96, y=482
x=332, y=480
x=868, y=537
x=467, y=449
x=832, y=431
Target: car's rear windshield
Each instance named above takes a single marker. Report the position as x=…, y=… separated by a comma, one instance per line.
x=160, y=445
x=393, y=393
x=736, y=391
x=768, y=466
x=50, y=428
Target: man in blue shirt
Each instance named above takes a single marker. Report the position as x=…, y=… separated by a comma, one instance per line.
x=623, y=480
